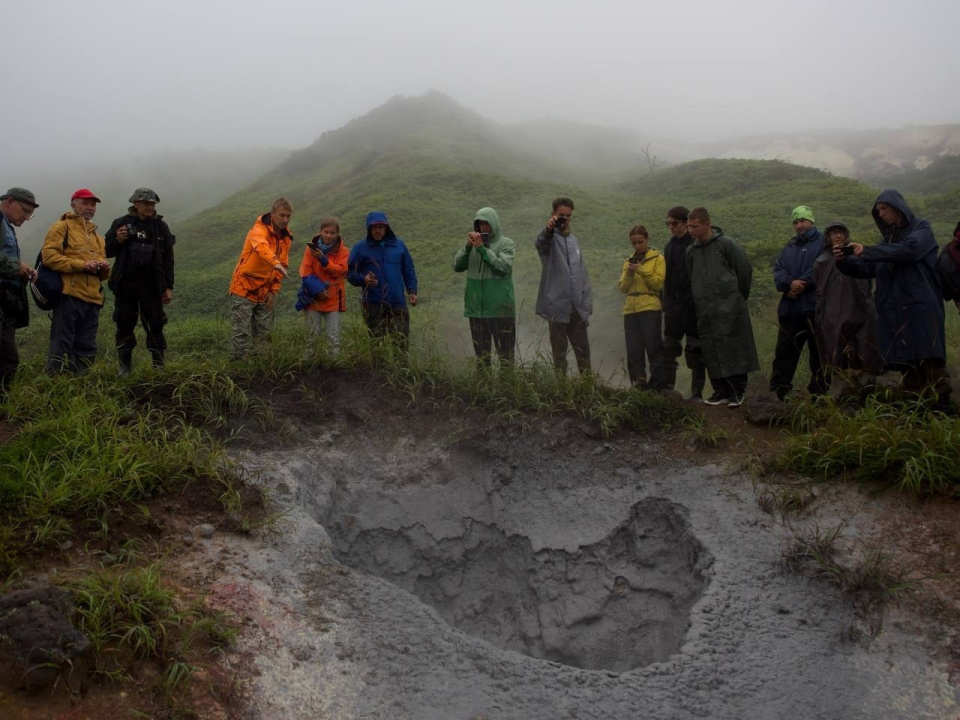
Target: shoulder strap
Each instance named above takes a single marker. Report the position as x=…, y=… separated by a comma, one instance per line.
x=66, y=234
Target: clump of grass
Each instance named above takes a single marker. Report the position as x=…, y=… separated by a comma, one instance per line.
x=786, y=500
x=128, y=615
x=900, y=443
x=511, y=390
x=873, y=581
x=87, y=446
x=697, y=432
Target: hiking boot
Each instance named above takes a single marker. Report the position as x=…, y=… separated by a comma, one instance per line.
x=718, y=398
x=736, y=400
x=157, y=356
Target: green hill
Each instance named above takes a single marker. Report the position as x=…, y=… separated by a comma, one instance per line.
x=430, y=164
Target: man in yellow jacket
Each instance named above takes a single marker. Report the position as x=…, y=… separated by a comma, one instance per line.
x=73, y=248
x=258, y=276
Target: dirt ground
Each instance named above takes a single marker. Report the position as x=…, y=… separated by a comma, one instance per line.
x=922, y=534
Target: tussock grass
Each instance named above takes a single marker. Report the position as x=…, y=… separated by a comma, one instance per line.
x=897, y=442
x=873, y=580
x=129, y=615
x=87, y=446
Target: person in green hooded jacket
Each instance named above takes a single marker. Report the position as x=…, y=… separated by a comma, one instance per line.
x=488, y=300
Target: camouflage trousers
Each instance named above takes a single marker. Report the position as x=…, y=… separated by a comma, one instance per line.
x=249, y=320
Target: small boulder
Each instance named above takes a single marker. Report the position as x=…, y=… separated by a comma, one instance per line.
x=37, y=639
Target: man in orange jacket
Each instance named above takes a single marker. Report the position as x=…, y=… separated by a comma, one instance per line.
x=259, y=275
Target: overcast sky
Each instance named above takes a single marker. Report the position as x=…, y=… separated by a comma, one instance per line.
x=107, y=77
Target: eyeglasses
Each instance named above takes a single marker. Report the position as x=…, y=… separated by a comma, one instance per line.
x=671, y=223
x=27, y=208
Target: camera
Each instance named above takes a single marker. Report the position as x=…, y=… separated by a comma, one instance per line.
x=634, y=258
x=134, y=234
x=847, y=249
x=560, y=221
x=486, y=238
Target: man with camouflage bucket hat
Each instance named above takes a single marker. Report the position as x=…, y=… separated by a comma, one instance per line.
x=142, y=277
x=17, y=205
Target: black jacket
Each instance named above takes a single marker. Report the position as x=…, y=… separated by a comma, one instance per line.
x=158, y=268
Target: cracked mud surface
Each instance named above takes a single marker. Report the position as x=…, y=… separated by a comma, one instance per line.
x=502, y=513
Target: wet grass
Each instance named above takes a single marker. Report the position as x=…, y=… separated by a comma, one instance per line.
x=130, y=616
x=873, y=580
x=892, y=440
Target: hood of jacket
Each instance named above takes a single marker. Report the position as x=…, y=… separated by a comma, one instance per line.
x=833, y=225
x=74, y=218
x=375, y=218
x=489, y=216
x=268, y=222
x=894, y=199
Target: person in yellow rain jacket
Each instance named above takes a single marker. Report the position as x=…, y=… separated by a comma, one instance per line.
x=641, y=281
x=258, y=276
x=73, y=248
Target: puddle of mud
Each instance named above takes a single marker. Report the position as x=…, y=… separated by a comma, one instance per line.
x=616, y=605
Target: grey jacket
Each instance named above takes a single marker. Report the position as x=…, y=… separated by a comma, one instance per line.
x=564, y=282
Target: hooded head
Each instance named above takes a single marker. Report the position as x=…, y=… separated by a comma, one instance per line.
x=489, y=216
x=836, y=225
x=378, y=218
x=894, y=199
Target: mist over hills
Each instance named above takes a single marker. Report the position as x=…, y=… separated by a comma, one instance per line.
x=430, y=164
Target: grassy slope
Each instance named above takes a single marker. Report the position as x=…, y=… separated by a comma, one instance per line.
x=431, y=164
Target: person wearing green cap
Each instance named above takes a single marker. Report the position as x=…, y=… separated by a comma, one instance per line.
x=142, y=277
x=17, y=205
x=793, y=276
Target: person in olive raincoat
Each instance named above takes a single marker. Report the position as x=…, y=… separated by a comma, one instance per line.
x=846, y=320
x=720, y=279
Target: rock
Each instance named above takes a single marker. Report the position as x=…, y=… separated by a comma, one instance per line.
x=37, y=639
x=765, y=411
x=188, y=539
x=204, y=530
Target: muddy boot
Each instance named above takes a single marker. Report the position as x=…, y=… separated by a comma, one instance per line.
x=698, y=378
x=157, y=357
x=126, y=361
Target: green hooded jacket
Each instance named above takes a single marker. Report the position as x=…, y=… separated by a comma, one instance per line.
x=489, y=291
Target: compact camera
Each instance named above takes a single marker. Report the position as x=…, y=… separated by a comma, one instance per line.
x=486, y=238
x=847, y=249
x=134, y=234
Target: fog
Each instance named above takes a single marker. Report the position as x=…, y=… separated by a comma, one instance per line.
x=107, y=79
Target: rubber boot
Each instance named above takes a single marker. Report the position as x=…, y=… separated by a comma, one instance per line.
x=698, y=378
x=157, y=357
x=126, y=361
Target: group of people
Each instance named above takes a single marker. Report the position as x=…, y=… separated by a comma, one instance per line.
x=691, y=299
x=141, y=279
x=702, y=281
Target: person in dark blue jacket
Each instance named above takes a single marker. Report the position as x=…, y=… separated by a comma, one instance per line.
x=908, y=295
x=793, y=276
x=383, y=267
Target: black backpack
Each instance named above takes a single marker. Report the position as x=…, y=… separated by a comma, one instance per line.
x=48, y=287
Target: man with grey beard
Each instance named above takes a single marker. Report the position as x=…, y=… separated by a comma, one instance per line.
x=73, y=248
x=17, y=205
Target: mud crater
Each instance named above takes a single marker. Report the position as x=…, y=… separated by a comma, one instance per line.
x=614, y=605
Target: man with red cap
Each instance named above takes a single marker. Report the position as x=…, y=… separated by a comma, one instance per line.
x=73, y=248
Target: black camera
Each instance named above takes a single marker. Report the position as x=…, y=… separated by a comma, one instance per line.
x=635, y=258
x=486, y=238
x=134, y=234
x=560, y=221
x=847, y=249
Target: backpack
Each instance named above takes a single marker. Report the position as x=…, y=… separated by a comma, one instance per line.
x=48, y=287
